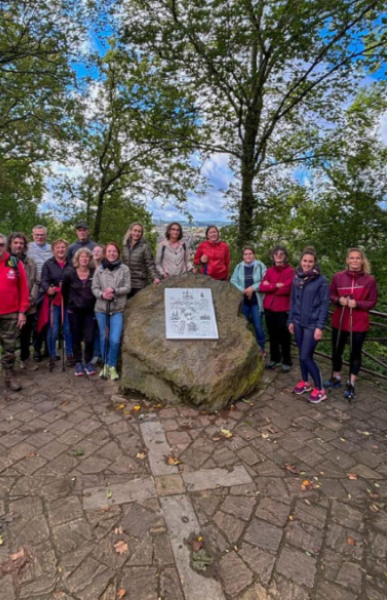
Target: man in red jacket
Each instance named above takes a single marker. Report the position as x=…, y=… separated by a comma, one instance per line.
x=14, y=301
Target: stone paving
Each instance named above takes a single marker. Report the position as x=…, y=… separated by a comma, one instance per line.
x=105, y=497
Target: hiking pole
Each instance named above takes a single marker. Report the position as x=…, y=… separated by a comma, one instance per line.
x=340, y=325
x=350, y=344
x=107, y=340
x=51, y=331
x=62, y=327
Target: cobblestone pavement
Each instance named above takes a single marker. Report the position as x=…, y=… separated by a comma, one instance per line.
x=290, y=499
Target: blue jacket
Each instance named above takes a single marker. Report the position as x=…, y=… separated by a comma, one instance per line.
x=238, y=279
x=309, y=304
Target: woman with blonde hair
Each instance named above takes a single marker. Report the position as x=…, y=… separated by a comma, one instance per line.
x=137, y=255
x=354, y=293
x=80, y=301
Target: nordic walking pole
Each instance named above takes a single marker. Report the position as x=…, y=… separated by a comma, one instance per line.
x=107, y=340
x=340, y=325
x=350, y=341
x=62, y=327
x=51, y=331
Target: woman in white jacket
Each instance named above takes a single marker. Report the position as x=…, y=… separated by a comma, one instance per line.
x=111, y=285
x=247, y=277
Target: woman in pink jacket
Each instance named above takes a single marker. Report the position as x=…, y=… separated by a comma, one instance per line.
x=276, y=286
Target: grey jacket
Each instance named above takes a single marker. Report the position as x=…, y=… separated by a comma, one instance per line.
x=39, y=254
x=119, y=280
x=140, y=261
x=31, y=269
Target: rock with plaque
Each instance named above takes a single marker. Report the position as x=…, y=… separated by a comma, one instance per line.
x=185, y=342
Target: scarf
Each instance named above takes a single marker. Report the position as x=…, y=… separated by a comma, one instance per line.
x=111, y=265
x=301, y=278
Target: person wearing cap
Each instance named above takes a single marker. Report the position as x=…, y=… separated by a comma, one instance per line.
x=83, y=241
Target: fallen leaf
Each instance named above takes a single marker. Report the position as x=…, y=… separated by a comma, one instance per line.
x=120, y=593
x=374, y=496
x=136, y=407
x=200, y=538
x=201, y=560
x=141, y=455
x=109, y=494
x=265, y=435
x=120, y=406
x=292, y=469
x=197, y=545
x=30, y=454
x=308, y=502
x=19, y=554
x=79, y=453
x=65, y=403
x=216, y=439
x=291, y=518
x=352, y=476
x=121, y=547
x=1, y=541
x=172, y=460
x=118, y=531
x=374, y=508
x=227, y=433
x=351, y=541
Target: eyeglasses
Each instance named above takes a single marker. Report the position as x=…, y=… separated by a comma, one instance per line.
x=2, y=244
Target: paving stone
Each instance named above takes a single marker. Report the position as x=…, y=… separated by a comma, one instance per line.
x=6, y=589
x=119, y=493
x=297, y=566
x=175, y=438
x=182, y=523
x=304, y=536
x=84, y=577
x=210, y=479
x=29, y=465
x=170, y=588
x=366, y=472
x=230, y=526
x=264, y=535
x=314, y=515
x=163, y=554
x=158, y=447
x=215, y=540
x=137, y=520
x=347, y=516
x=329, y=591
x=337, y=539
x=167, y=485
x=240, y=507
x=260, y=562
x=64, y=510
x=248, y=455
x=273, y=512
x=283, y=589
x=228, y=567
x=71, y=535
x=350, y=576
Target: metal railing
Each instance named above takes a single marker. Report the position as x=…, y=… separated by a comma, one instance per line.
x=374, y=325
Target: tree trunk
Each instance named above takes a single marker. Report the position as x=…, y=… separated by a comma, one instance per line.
x=98, y=215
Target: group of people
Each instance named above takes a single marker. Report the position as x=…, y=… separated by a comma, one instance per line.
x=81, y=290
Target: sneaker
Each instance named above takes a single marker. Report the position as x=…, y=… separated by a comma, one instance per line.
x=37, y=357
x=333, y=383
x=89, y=370
x=104, y=372
x=272, y=364
x=113, y=375
x=28, y=365
x=285, y=368
x=349, y=393
x=52, y=363
x=79, y=370
x=70, y=361
x=302, y=387
x=317, y=396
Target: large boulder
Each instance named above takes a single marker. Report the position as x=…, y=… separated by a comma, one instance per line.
x=209, y=374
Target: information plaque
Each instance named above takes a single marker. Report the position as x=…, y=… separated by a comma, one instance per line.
x=190, y=314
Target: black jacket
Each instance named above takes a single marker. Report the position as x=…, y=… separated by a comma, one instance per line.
x=52, y=274
x=309, y=305
x=77, y=294
x=89, y=244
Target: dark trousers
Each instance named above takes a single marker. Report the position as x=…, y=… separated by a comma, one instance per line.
x=279, y=336
x=133, y=292
x=82, y=327
x=9, y=333
x=358, y=338
x=25, y=337
x=38, y=337
x=306, y=346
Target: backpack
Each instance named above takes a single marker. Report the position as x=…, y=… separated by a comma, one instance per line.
x=13, y=263
x=163, y=251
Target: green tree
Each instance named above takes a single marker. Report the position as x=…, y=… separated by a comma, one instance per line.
x=260, y=71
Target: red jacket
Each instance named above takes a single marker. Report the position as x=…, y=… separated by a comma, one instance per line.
x=14, y=294
x=277, y=299
x=218, y=264
x=363, y=288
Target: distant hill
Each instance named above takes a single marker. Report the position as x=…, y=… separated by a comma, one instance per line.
x=194, y=223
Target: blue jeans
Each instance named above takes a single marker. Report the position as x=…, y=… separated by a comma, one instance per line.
x=306, y=346
x=116, y=323
x=97, y=344
x=253, y=315
x=53, y=331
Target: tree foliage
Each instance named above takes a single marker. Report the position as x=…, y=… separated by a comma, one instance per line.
x=260, y=71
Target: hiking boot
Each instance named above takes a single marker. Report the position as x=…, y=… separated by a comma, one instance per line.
x=272, y=364
x=52, y=363
x=70, y=361
x=89, y=370
x=349, y=393
x=79, y=371
x=285, y=368
x=333, y=383
x=317, y=396
x=302, y=387
x=28, y=365
x=113, y=375
x=10, y=380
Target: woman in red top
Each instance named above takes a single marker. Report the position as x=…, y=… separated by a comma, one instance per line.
x=276, y=285
x=354, y=293
x=213, y=255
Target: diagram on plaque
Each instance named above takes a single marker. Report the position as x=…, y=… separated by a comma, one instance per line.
x=190, y=314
